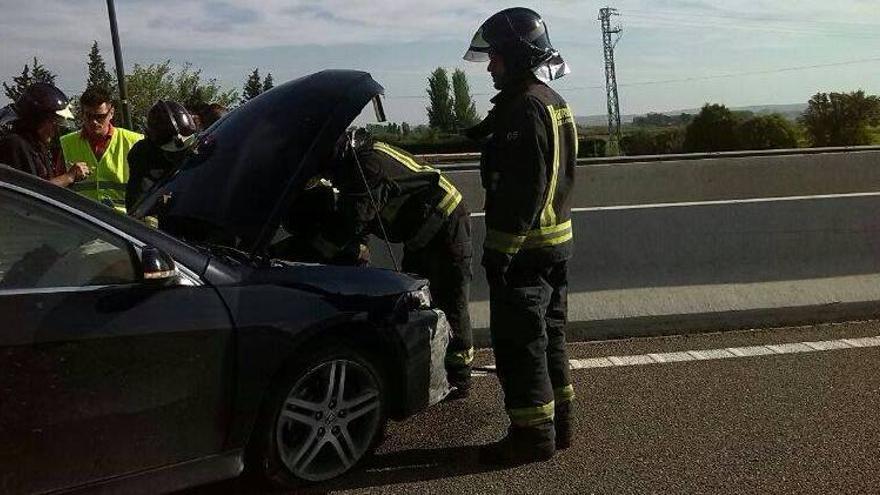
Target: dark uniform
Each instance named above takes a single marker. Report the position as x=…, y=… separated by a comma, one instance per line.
x=528, y=165
x=420, y=208
x=26, y=153
x=147, y=165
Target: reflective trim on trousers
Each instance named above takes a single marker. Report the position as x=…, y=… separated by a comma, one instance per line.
x=563, y=394
x=531, y=416
x=460, y=358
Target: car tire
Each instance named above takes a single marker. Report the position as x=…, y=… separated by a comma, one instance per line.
x=322, y=418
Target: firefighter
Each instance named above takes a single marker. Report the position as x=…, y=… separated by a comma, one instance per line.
x=171, y=133
x=32, y=125
x=415, y=205
x=529, y=151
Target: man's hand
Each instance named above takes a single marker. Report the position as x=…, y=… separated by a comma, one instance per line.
x=363, y=258
x=78, y=171
x=496, y=265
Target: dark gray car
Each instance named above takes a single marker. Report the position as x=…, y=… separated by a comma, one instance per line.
x=134, y=361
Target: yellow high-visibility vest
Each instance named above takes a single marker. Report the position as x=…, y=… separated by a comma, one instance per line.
x=109, y=175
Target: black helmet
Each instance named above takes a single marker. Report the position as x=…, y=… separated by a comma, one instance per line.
x=520, y=36
x=41, y=99
x=171, y=126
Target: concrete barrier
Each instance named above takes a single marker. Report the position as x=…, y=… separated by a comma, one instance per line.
x=707, y=177
x=718, y=257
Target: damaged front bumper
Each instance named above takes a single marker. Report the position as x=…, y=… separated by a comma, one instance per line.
x=423, y=382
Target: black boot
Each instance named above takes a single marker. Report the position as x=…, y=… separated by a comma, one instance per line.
x=562, y=423
x=521, y=445
x=460, y=381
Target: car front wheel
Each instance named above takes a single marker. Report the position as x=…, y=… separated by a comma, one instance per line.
x=328, y=416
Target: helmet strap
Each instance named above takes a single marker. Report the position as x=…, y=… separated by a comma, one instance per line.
x=180, y=141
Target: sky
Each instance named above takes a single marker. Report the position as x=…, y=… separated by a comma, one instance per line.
x=673, y=54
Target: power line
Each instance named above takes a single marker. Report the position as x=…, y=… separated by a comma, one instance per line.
x=754, y=73
x=774, y=25
x=689, y=79
x=749, y=17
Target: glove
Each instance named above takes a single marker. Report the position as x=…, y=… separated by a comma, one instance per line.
x=496, y=265
x=363, y=258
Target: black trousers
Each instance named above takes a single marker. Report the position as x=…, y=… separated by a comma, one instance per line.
x=529, y=310
x=446, y=262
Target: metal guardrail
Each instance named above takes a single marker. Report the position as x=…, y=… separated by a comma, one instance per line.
x=471, y=161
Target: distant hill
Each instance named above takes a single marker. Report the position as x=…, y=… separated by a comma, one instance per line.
x=791, y=112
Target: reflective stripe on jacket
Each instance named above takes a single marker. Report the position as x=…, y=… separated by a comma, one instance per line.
x=109, y=175
x=413, y=199
x=527, y=168
x=450, y=199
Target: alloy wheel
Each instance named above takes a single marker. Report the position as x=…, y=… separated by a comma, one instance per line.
x=329, y=420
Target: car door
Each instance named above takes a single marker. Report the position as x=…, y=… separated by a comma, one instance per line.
x=101, y=373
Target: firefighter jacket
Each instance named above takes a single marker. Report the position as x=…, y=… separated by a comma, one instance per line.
x=148, y=164
x=527, y=169
x=24, y=151
x=413, y=200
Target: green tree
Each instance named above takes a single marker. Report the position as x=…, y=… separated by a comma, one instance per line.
x=149, y=83
x=440, y=113
x=29, y=75
x=268, y=82
x=662, y=120
x=592, y=147
x=464, y=109
x=662, y=142
x=841, y=119
x=252, y=87
x=98, y=75
x=765, y=132
x=713, y=129
x=640, y=142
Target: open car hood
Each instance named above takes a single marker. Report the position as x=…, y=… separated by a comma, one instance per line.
x=250, y=165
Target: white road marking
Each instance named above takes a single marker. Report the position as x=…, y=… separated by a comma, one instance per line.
x=709, y=354
x=726, y=353
x=718, y=202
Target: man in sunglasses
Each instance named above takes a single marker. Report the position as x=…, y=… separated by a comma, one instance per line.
x=103, y=147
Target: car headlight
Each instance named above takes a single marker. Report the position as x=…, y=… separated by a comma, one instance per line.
x=419, y=299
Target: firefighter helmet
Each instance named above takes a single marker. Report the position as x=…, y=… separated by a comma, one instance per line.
x=41, y=99
x=170, y=126
x=520, y=36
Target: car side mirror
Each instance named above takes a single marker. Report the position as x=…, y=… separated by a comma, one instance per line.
x=157, y=266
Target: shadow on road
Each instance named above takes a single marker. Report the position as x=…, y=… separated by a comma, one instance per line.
x=407, y=466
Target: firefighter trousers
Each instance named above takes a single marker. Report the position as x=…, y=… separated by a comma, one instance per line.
x=529, y=309
x=446, y=262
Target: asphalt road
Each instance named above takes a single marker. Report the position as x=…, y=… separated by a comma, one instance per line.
x=795, y=422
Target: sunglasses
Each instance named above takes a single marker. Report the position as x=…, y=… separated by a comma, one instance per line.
x=100, y=117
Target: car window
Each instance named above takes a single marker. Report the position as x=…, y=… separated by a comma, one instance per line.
x=41, y=247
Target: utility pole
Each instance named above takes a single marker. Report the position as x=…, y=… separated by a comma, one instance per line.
x=120, y=68
x=609, y=41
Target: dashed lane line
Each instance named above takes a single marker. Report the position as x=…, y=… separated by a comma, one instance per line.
x=725, y=353
x=715, y=354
